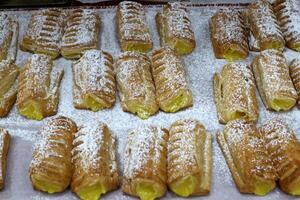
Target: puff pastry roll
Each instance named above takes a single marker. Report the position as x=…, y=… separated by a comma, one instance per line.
x=247, y=158
x=235, y=93
x=135, y=84
x=44, y=32
x=133, y=30
x=38, y=88
x=295, y=75
x=189, y=158
x=94, y=159
x=229, y=35
x=172, y=90
x=9, y=31
x=284, y=149
x=81, y=33
x=4, y=146
x=288, y=15
x=273, y=80
x=174, y=28
x=264, y=26
x=51, y=166
x=8, y=87
x=94, y=85
x=145, y=164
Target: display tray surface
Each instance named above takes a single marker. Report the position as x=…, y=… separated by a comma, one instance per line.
x=200, y=67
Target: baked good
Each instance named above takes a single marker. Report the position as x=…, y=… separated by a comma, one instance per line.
x=229, y=35
x=8, y=88
x=295, y=75
x=44, y=32
x=51, y=167
x=145, y=163
x=9, y=31
x=284, y=149
x=247, y=157
x=235, y=93
x=135, y=84
x=172, y=89
x=174, y=28
x=4, y=146
x=288, y=16
x=132, y=28
x=94, y=160
x=264, y=26
x=94, y=84
x=189, y=158
x=38, y=88
x=273, y=80
x=81, y=33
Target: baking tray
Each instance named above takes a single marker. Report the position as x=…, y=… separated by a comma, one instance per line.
x=200, y=67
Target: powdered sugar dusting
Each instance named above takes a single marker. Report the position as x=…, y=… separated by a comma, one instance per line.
x=295, y=74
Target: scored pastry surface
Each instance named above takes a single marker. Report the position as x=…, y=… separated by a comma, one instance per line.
x=94, y=85
x=4, y=146
x=295, y=75
x=94, y=160
x=174, y=28
x=132, y=28
x=81, y=33
x=235, y=93
x=189, y=158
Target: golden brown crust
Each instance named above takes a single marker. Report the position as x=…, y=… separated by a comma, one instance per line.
x=295, y=75
x=132, y=28
x=273, y=80
x=135, y=84
x=284, y=149
x=44, y=32
x=189, y=154
x=170, y=81
x=8, y=89
x=235, y=93
x=93, y=76
x=246, y=156
x=264, y=26
x=145, y=159
x=51, y=167
x=4, y=146
x=174, y=28
x=81, y=33
x=94, y=158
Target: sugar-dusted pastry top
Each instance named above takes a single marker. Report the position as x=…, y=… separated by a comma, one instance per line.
x=288, y=14
x=93, y=73
x=132, y=23
x=295, y=74
x=8, y=75
x=82, y=28
x=4, y=145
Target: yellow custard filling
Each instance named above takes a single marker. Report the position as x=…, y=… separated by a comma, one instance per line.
x=93, y=103
x=133, y=46
x=232, y=54
x=282, y=104
x=32, y=110
x=262, y=188
x=45, y=186
x=177, y=103
x=184, y=187
x=273, y=45
x=182, y=47
x=147, y=191
x=295, y=189
x=92, y=192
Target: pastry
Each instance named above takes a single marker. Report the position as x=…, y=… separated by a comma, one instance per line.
x=44, y=32
x=288, y=15
x=94, y=85
x=235, y=93
x=264, y=26
x=189, y=158
x=94, y=160
x=38, y=88
x=229, y=35
x=174, y=28
x=247, y=158
x=4, y=146
x=132, y=28
x=9, y=31
x=145, y=164
x=273, y=80
x=51, y=167
x=284, y=149
x=81, y=33
x=172, y=90
x=8, y=87
x=135, y=84
x=295, y=75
